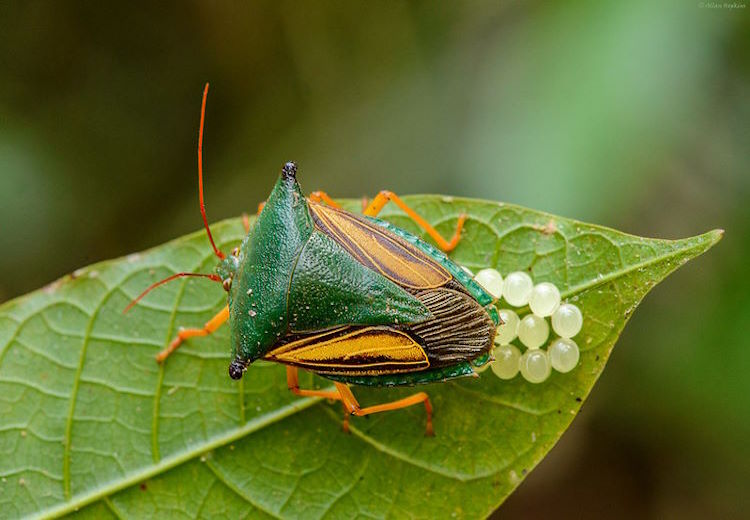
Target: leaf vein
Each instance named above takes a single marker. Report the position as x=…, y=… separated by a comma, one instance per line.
x=236, y=490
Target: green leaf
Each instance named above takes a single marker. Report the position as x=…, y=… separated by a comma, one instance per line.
x=91, y=424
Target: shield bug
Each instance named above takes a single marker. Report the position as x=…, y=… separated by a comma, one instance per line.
x=350, y=297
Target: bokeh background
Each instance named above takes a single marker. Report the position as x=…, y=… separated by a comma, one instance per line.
x=633, y=114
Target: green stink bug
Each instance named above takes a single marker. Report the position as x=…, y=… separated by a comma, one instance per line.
x=350, y=297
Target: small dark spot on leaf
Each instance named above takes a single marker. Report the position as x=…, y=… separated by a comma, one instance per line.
x=559, y=411
x=524, y=471
x=143, y=486
x=597, y=357
x=578, y=399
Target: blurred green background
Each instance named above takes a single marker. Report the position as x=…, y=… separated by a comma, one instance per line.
x=632, y=114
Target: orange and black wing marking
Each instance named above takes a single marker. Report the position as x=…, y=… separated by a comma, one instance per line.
x=354, y=351
x=460, y=330
x=379, y=249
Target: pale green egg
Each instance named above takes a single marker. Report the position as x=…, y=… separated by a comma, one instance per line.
x=563, y=354
x=544, y=299
x=567, y=320
x=534, y=366
x=505, y=365
x=492, y=282
x=533, y=331
x=508, y=331
x=517, y=288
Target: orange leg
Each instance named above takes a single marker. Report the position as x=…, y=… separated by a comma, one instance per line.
x=260, y=206
x=212, y=324
x=246, y=222
x=292, y=381
x=322, y=196
x=351, y=404
x=387, y=196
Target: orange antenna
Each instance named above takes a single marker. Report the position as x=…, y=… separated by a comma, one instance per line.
x=200, y=174
x=214, y=277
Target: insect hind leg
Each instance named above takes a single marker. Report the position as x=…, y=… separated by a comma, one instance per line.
x=352, y=405
x=384, y=197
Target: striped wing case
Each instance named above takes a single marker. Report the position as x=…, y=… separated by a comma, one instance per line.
x=459, y=329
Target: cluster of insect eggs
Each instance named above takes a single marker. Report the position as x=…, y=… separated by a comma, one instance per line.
x=531, y=330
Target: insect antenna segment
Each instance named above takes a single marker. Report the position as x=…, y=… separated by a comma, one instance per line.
x=214, y=277
x=200, y=174
x=218, y=253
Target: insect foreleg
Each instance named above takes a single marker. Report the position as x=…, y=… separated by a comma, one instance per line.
x=210, y=326
x=315, y=196
x=384, y=197
x=322, y=196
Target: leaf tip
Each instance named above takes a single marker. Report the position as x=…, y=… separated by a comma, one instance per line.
x=713, y=237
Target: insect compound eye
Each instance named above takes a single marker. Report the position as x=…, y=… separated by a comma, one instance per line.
x=227, y=284
x=236, y=369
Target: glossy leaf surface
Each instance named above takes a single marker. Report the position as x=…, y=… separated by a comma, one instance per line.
x=91, y=425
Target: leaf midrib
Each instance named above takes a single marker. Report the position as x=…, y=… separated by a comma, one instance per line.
x=703, y=242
